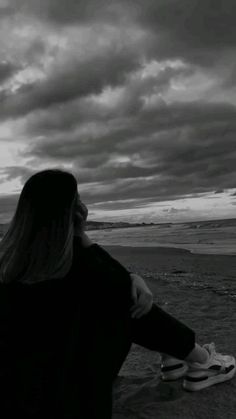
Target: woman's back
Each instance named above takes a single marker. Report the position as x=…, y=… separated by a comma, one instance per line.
x=52, y=334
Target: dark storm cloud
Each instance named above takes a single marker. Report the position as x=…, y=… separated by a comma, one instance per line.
x=181, y=149
x=125, y=204
x=7, y=69
x=76, y=112
x=8, y=205
x=120, y=172
x=183, y=126
x=67, y=12
x=138, y=142
x=160, y=189
x=35, y=51
x=192, y=29
x=75, y=79
x=16, y=172
x=6, y=11
x=192, y=22
x=119, y=188
x=195, y=30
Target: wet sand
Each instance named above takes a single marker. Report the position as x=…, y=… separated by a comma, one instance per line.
x=200, y=290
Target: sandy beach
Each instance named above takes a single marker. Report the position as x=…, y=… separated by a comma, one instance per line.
x=200, y=290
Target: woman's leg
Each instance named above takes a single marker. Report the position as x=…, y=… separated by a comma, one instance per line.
x=173, y=369
x=198, y=354
x=159, y=331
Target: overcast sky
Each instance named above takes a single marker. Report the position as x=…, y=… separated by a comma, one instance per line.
x=136, y=98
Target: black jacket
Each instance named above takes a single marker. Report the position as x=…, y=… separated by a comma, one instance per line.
x=61, y=340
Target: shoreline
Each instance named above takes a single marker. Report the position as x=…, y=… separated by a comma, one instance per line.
x=171, y=249
x=167, y=259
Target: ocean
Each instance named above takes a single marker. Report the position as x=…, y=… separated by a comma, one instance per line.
x=202, y=237
x=212, y=238
x=208, y=238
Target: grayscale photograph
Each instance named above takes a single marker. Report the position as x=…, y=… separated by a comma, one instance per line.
x=117, y=209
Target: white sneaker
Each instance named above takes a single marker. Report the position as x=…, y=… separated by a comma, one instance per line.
x=172, y=368
x=217, y=369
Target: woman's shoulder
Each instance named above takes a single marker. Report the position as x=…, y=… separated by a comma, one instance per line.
x=82, y=252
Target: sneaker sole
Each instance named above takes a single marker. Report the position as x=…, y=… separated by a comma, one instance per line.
x=210, y=381
x=175, y=374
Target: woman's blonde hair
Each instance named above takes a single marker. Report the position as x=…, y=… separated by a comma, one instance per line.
x=38, y=244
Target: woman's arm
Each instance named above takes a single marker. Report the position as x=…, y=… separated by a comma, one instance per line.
x=141, y=296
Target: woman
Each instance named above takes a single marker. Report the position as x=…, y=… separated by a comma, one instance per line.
x=69, y=313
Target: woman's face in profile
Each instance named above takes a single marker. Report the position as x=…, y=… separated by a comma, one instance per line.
x=81, y=211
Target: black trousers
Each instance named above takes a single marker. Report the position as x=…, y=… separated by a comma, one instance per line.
x=75, y=380
x=109, y=332
x=100, y=360
x=97, y=349
x=156, y=331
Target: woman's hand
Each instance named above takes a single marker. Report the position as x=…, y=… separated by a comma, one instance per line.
x=142, y=297
x=80, y=217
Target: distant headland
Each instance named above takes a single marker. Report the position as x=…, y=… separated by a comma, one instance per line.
x=95, y=225
x=102, y=225
x=98, y=225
